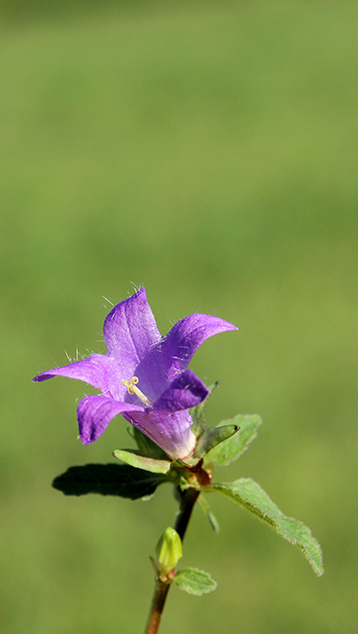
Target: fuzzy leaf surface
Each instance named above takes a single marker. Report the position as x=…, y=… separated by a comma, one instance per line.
x=233, y=447
x=248, y=494
x=108, y=479
x=194, y=581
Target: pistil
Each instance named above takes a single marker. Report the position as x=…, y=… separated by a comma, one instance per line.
x=133, y=389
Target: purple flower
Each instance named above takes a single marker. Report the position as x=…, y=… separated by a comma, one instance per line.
x=143, y=376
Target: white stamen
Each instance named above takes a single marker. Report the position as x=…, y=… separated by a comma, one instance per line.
x=133, y=389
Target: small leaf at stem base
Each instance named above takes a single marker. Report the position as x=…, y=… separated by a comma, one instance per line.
x=194, y=581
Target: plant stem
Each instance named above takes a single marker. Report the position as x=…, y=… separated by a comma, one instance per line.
x=187, y=502
x=156, y=610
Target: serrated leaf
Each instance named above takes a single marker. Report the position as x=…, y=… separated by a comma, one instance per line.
x=194, y=581
x=209, y=514
x=136, y=459
x=248, y=494
x=108, y=479
x=197, y=413
x=146, y=445
x=233, y=447
x=212, y=437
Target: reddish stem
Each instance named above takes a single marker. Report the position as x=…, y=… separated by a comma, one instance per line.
x=187, y=502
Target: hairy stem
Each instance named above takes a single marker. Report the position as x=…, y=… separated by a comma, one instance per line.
x=187, y=502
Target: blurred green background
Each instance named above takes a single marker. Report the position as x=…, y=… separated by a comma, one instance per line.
x=207, y=150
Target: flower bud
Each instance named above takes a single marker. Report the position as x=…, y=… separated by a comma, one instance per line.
x=168, y=551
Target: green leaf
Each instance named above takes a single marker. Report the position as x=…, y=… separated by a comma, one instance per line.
x=209, y=514
x=248, y=494
x=194, y=581
x=108, y=479
x=212, y=437
x=233, y=447
x=139, y=461
x=146, y=445
x=197, y=413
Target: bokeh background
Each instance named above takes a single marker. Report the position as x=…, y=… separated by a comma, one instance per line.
x=206, y=150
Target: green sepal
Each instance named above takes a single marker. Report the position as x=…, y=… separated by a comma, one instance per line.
x=209, y=514
x=108, y=479
x=197, y=413
x=248, y=494
x=194, y=581
x=146, y=445
x=212, y=437
x=136, y=459
x=234, y=446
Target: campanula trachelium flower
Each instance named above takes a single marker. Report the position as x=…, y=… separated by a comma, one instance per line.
x=143, y=376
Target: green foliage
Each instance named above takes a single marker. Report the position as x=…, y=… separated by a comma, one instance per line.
x=194, y=581
x=197, y=413
x=209, y=514
x=233, y=447
x=146, y=445
x=248, y=494
x=140, y=461
x=110, y=479
x=212, y=438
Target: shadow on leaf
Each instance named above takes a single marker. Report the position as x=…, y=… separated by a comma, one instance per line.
x=108, y=479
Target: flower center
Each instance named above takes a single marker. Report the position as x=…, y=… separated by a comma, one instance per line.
x=133, y=389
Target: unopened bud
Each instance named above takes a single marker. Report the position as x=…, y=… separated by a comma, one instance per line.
x=169, y=550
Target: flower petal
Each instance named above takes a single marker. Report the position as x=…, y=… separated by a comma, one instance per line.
x=188, y=335
x=174, y=352
x=98, y=370
x=130, y=330
x=94, y=414
x=169, y=430
x=186, y=391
